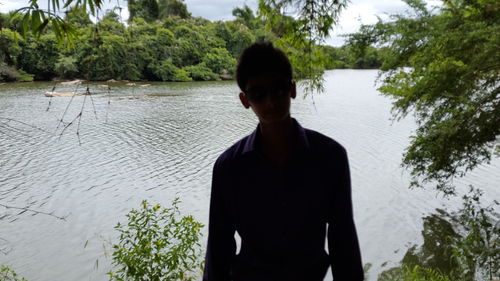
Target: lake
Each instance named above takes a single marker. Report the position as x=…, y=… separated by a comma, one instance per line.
x=160, y=141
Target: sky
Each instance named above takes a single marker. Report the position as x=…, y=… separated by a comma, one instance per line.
x=358, y=11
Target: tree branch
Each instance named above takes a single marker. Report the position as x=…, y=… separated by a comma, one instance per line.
x=33, y=211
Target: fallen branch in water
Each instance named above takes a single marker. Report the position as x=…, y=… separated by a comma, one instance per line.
x=23, y=123
x=34, y=211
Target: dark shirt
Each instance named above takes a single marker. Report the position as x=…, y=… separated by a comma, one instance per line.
x=282, y=213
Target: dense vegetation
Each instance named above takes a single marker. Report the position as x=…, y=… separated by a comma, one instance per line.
x=159, y=43
x=460, y=245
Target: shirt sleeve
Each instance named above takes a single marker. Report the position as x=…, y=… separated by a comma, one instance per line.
x=343, y=246
x=221, y=244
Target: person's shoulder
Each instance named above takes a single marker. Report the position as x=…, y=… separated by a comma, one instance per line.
x=233, y=153
x=323, y=143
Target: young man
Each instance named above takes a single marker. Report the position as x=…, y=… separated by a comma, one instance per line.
x=283, y=188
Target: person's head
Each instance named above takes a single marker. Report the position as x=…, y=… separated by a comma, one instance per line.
x=264, y=75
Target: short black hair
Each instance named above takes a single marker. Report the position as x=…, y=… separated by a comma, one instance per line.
x=260, y=58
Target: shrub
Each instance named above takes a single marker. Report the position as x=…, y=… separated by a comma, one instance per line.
x=182, y=75
x=416, y=273
x=219, y=60
x=10, y=74
x=157, y=245
x=167, y=71
x=7, y=274
x=201, y=72
x=66, y=67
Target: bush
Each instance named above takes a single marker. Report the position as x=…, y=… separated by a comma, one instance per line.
x=167, y=71
x=7, y=274
x=25, y=76
x=201, y=72
x=220, y=61
x=66, y=67
x=39, y=56
x=10, y=74
x=156, y=244
x=182, y=76
x=416, y=273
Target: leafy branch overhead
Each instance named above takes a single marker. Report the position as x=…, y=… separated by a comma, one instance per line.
x=36, y=19
x=443, y=67
x=301, y=26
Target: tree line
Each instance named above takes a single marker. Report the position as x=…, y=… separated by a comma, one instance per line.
x=160, y=42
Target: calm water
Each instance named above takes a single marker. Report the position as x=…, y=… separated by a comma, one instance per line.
x=160, y=142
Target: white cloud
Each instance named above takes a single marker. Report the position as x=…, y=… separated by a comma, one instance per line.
x=360, y=12
x=10, y=5
x=217, y=9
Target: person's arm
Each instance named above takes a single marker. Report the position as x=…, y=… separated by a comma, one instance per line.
x=221, y=244
x=343, y=247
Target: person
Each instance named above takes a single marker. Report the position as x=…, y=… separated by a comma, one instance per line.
x=283, y=188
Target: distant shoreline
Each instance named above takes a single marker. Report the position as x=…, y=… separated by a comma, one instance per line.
x=69, y=82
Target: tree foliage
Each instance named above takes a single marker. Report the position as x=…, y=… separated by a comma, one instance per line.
x=245, y=16
x=443, y=67
x=146, y=9
x=172, y=8
x=301, y=26
x=173, y=48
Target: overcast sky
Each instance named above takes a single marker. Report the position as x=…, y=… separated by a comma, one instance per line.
x=358, y=11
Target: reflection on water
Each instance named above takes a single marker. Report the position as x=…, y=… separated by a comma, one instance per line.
x=458, y=245
x=160, y=142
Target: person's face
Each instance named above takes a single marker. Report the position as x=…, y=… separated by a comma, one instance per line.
x=269, y=97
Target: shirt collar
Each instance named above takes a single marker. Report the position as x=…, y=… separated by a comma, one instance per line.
x=300, y=133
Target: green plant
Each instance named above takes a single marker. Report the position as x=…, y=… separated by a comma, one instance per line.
x=478, y=251
x=219, y=61
x=66, y=67
x=200, y=72
x=7, y=274
x=167, y=71
x=415, y=273
x=156, y=244
x=461, y=245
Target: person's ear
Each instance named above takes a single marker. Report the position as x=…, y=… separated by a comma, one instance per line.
x=293, y=90
x=244, y=100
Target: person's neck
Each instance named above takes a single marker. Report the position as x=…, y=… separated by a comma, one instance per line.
x=277, y=139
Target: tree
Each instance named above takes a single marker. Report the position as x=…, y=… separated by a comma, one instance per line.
x=172, y=8
x=9, y=47
x=78, y=17
x=107, y=60
x=39, y=56
x=304, y=24
x=146, y=9
x=312, y=24
x=443, y=67
x=245, y=16
x=219, y=61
